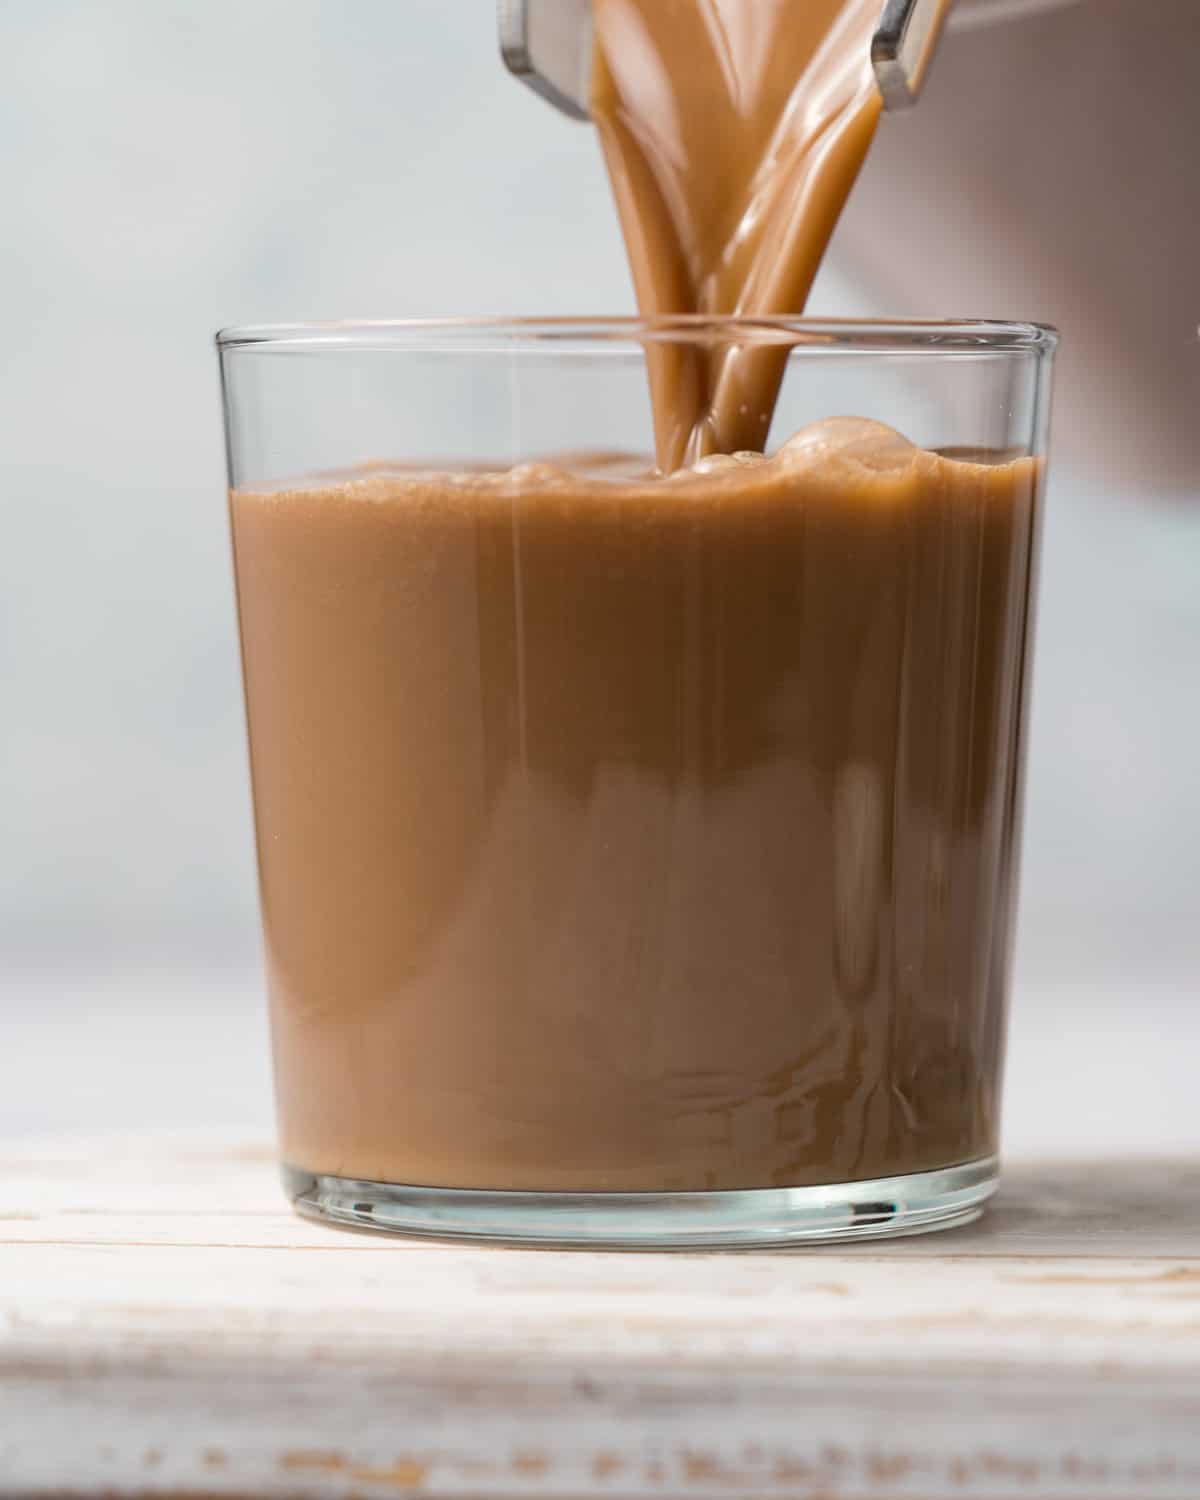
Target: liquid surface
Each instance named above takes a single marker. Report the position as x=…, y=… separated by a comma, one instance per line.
x=733, y=131
x=639, y=835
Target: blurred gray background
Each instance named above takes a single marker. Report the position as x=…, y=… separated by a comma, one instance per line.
x=170, y=167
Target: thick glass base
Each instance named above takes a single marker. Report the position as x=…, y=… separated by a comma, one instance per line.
x=881, y=1208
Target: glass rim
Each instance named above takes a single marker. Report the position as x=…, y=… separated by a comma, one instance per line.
x=799, y=334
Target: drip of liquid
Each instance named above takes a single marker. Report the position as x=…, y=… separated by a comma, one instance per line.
x=733, y=131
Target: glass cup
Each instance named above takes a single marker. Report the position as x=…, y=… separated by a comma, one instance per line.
x=637, y=854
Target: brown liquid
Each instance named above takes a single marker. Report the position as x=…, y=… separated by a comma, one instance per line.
x=653, y=836
x=733, y=132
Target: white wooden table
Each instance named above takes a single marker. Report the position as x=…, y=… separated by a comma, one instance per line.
x=167, y=1327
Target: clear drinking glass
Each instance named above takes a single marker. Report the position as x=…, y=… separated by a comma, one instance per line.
x=637, y=854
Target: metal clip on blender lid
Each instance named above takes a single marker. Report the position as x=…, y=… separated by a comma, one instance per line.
x=547, y=44
x=903, y=47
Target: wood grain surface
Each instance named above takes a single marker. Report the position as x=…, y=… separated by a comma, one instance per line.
x=167, y=1327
